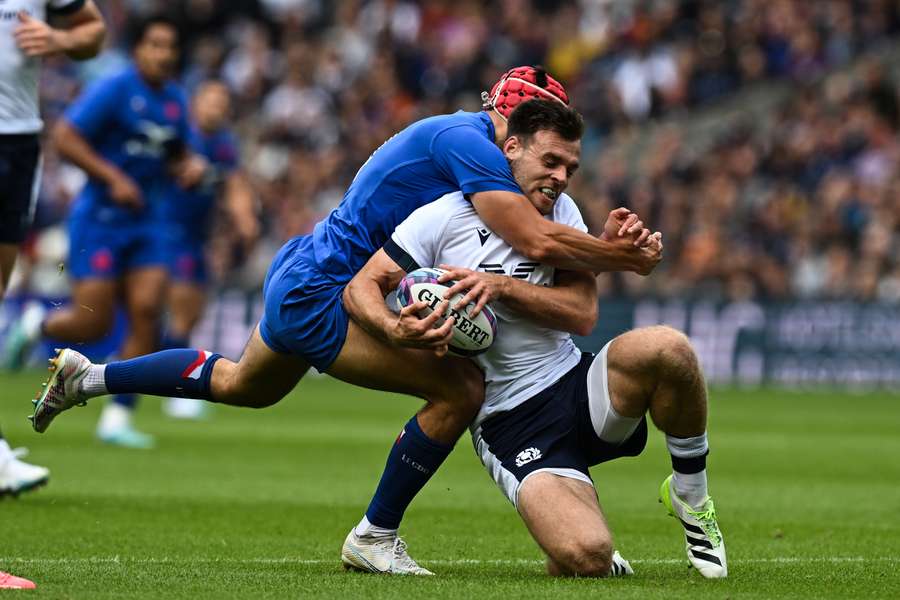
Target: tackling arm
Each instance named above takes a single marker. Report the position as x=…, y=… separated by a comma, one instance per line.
x=515, y=220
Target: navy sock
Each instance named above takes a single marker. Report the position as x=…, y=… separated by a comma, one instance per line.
x=411, y=463
x=128, y=401
x=184, y=373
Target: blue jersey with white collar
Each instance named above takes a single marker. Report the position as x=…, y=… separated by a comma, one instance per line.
x=418, y=165
x=136, y=127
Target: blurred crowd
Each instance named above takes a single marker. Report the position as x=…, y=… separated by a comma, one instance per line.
x=805, y=203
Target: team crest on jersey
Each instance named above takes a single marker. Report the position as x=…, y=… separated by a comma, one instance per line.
x=483, y=234
x=527, y=455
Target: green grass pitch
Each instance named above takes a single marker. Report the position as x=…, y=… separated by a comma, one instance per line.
x=257, y=503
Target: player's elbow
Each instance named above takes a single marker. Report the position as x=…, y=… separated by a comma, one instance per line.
x=584, y=324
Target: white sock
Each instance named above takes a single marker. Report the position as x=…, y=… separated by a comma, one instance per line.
x=94, y=383
x=690, y=487
x=366, y=528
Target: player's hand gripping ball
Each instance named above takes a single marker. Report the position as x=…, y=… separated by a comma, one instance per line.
x=471, y=335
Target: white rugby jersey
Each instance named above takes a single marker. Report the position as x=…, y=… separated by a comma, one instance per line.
x=525, y=358
x=19, y=75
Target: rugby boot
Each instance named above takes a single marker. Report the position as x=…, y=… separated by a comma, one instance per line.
x=17, y=476
x=620, y=566
x=62, y=390
x=11, y=582
x=379, y=554
x=703, y=539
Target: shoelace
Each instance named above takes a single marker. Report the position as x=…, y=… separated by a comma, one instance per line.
x=707, y=519
x=401, y=556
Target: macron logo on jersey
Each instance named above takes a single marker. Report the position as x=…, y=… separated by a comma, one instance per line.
x=194, y=369
x=483, y=234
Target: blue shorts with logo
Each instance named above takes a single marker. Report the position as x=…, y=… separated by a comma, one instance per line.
x=550, y=432
x=304, y=307
x=108, y=250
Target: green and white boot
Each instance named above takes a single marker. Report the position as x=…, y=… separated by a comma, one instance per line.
x=703, y=540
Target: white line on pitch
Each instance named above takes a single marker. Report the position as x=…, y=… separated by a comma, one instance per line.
x=450, y=562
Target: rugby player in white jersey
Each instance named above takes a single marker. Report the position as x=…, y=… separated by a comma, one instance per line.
x=25, y=37
x=551, y=411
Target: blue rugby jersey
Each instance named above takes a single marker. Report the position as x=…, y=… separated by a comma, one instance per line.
x=134, y=126
x=416, y=166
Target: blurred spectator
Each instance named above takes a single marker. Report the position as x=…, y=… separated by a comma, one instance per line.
x=802, y=203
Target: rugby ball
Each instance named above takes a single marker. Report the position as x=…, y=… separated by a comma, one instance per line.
x=471, y=336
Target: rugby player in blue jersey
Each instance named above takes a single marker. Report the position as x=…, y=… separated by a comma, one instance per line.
x=187, y=216
x=127, y=131
x=305, y=323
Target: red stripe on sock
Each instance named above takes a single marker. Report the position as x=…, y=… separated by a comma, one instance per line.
x=201, y=358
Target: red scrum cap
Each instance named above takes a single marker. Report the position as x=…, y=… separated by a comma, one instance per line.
x=520, y=84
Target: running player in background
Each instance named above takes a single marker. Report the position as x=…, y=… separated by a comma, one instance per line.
x=552, y=411
x=127, y=131
x=77, y=31
x=187, y=216
x=305, y=323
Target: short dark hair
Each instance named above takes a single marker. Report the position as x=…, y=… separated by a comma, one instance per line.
x=536, y=115
x=140, y=28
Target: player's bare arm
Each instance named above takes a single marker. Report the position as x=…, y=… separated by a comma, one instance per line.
x=76, y=149
x=364, y=300
x=78, y=35
x=570, y=305
x=241, y=207
x=514, y=219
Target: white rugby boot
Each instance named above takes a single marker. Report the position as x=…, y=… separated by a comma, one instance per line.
x=703, y=540
x=62, y=390
x=620, y=566
x=17, y=476
x=379, y=554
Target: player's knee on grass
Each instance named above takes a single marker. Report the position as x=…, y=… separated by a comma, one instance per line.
x=585, y=554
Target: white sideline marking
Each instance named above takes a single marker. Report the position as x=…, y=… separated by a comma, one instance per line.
x=446, y=562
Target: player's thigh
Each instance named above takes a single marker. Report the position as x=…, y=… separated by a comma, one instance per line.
x=145, y=289
x=261, y=377
x=186, y=301
x=565, y=519
x=367, y=361
x=8, y=253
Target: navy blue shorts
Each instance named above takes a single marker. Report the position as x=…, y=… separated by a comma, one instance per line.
x=304, y=307
x=20, y=158
x=550, y=432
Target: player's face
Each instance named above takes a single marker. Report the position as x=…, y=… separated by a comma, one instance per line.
x=156, y=54
x=542, y=165
x=212, y=105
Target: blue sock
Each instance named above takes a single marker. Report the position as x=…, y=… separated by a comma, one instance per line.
x=411, y=463
x=184, y=373
x=128, y=401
